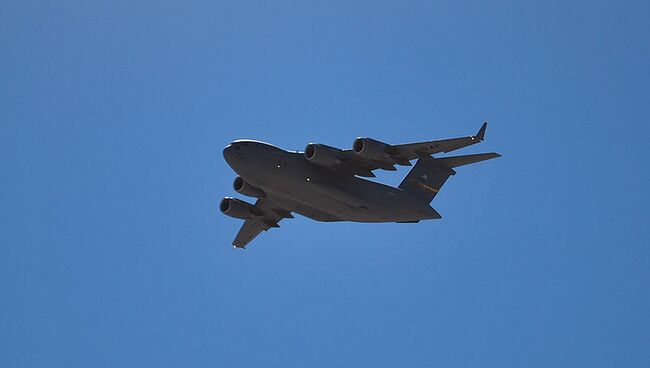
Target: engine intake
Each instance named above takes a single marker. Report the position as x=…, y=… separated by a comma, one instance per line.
x=237, y=208
x=370, y=148
x=242, y=187
x=321, y=154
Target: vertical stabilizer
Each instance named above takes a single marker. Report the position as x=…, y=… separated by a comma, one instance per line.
x=430, y=174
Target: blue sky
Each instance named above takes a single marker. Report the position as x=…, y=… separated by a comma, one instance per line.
x=113, y=116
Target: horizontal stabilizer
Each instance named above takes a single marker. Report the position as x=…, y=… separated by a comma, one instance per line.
x=455, y=161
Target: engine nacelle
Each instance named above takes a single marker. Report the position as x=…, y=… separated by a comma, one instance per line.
x=236, y=208
x=321, y=154
x=370, y=148
x=242, y=187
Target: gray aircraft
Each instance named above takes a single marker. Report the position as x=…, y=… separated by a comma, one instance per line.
x=324, y=184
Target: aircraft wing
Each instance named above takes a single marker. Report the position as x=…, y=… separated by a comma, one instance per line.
x=269, y=214
x=412, y=151
x=401, y=154
x=356, y=165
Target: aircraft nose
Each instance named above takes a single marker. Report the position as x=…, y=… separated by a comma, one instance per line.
x=228, y=153
x=233, y=153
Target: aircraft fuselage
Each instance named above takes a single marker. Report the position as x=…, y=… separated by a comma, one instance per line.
x=319, y=192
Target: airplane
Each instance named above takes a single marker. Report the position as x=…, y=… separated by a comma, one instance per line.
x=325, y=183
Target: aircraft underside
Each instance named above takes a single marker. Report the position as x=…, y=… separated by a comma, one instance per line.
x=324, y=183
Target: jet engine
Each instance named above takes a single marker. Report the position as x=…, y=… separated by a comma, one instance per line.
x=237, y=208
x=321, y=154
x=370, y=148
x=242, y=187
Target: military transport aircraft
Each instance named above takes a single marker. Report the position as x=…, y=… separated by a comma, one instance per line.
x=324, y=184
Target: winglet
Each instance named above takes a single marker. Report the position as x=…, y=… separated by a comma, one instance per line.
x=481, y=132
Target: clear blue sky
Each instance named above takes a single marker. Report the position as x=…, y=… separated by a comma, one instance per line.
x=113, y=115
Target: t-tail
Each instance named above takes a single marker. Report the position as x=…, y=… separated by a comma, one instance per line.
x=429, y=174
